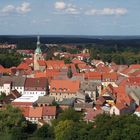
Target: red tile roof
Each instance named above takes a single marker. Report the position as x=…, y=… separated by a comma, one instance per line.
x=70, y=86
x=35, y=112
x=47, y=74
x=110, y=76
x=91, y=114
x=122, y=95
x=42, y=62
x=121, y=105
x=25, y=111
x=55, y=64
x=49, y=110
x=34, y=83
x=23, y=66
x=77, y=61
x=93, y=75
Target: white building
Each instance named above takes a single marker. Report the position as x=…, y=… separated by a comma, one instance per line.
x=8, y=83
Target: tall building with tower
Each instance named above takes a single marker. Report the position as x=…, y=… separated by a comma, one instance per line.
x=38, y=56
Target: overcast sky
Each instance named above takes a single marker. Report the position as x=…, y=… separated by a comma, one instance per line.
x=70, y=17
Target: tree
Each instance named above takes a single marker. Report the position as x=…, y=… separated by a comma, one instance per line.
x=69, y=114
x=45, y=132
x=11, y=119
x=69, y=73
x=64, y=130
x=2, y=95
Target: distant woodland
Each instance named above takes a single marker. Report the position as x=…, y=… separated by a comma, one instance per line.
x=120, y=51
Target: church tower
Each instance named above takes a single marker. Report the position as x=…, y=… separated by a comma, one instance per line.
x=37, y=55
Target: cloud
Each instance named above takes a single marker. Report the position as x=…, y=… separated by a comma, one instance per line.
x=21, y=9
x=24, y=8
x=60, y=5
x=107, y=11
x=66, y=8
x=8, y=9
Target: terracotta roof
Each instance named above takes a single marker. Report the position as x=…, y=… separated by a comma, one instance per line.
x=70, y=86
x=23, y=66
x=122, y=95
x=49, y=110
x=92, y=113
x=1, y=68
x=47, y=74
x=93, y=75
x=28, y=61
x=35, y=83
x=55, y=64
x=133, y=81
x=111, y=76
x=35, y=112
x=135, y=74
x=103, y=69
x=42, y=62
x=77, y=61
x=121, y=106
x=131, y=69
x=25, y=111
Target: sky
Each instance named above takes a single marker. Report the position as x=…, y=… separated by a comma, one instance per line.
x=70, y=17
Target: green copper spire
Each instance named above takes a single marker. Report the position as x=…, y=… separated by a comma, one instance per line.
x=38, y=50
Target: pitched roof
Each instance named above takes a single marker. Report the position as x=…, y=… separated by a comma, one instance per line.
x=23, y=66
x=45, y=99
x=122, y=95
x=49, y=111
x=36, y=83
x=121, y=106
x=42, y=62
x=92, y=113
x=16, y=80
x=93, y=75
x=70, y=86
x=111, y=76
x=25, y=111
x=77, y=61
x=35, y=112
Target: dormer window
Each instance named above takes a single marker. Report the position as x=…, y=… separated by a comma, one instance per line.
x=60, y=89
x=53, y=88
x=65, y=89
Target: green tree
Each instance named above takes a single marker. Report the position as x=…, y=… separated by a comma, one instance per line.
x=69, y=114
x=69, y=73
x=64, y=130
x=45, y=132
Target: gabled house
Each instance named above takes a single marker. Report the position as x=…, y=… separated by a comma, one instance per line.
x=119, y=109
x=35, y=114
x=49, y=113
x=9, y=83
x=36, y=86
x=61, y=89
x=45, y=100
x=9, y=98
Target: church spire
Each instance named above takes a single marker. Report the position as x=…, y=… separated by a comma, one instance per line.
x=38, y=40
x=38, y=50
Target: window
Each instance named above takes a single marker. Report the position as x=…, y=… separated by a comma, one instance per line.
x=60, y=89
x=53, y=88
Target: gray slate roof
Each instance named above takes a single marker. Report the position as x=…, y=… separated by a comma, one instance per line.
x=45, y=99
x=15, y=80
